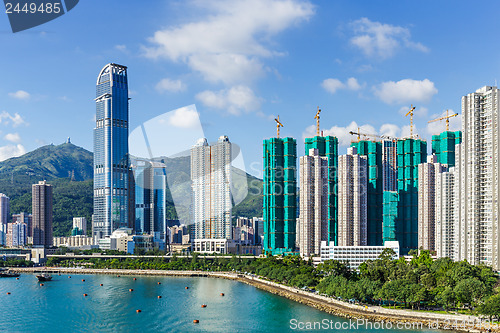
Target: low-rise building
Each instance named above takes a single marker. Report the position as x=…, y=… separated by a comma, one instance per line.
x=354, y=256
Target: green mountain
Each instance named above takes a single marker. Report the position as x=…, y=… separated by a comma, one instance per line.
x=69, y=169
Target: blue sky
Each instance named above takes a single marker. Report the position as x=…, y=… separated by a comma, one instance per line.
x=244, y=62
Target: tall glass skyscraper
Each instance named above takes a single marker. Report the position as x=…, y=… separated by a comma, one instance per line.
x=150, y=202
x=111, y=162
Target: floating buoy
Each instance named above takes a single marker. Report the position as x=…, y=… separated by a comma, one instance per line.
x=159, y=296
x=135, y=279
x=83, y=280
x=203, y=305
x=131, y=290
x=196, y=321
x=85, y=295
x=8, y=293
x=138, y=310
x=187, y=287
x=222, y=294
x=101, y=284
x=41, y=284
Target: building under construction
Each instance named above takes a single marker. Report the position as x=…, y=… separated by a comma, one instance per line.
x=279, y=195
x=327, y=146
x=443, y=146
x=381, y=163
x=404, y=225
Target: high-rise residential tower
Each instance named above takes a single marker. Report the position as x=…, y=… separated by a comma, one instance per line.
x=313, y=220
x=41, y=206
x=381, y=164
x=4, y=217
x=479, y=169
x=446, y=231
x=279, y=197
x=400, y=221
x=211, y=189
x=111, y=160
x=352, y=194
x=428, y=173
x=26, y=218
x=327, y=146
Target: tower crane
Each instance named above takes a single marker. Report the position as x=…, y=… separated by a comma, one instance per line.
x=278, y=125
x=447, y=118
x=412, y=108
x=317, y=121
x=383, y=137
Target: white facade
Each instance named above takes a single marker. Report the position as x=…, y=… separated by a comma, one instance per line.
x=4, y=217
x=73, y=241
x=355, y=255
x=212, y=245
x=479, y=184
x=211, y=189
x=313, y=220
x=352, y=199
x=427, y=174
x=446, y=233
x=80, y=223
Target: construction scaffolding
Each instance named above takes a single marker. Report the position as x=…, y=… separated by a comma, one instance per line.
x=410, y=153
x=390, y=215
x=443, y=146
x=279, y=195
x=328, y=146
x=373, y=151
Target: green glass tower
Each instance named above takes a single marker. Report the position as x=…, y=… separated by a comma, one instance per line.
x=279, y=195
x=410, y=153
x=328, y=147
x=443, y=146
x=373, y=151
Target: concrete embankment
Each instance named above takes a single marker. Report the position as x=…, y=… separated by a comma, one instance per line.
x=404, y=319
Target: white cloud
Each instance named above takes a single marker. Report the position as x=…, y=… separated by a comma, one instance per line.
x=16, y=119
x=13, y=137
x=184, y=118
x=234, y=100
x=333, y=85
x=382, y=40
x=228, y=45
x=439, y=126
x=11, y=151
x=390, y=130
x=20, y=94
x=405, y=131
x=121, y=47
x=170, y=85
x=342, y=133
x=406, y=91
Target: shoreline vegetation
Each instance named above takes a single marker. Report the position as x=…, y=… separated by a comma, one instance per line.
x=433, y=293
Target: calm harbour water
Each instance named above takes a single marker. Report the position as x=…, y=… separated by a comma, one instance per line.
x=59, y=306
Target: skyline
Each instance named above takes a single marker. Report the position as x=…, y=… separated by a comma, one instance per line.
x=358, y=62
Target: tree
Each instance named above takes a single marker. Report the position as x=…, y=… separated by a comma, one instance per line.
x=334, y=267
x=491, y=307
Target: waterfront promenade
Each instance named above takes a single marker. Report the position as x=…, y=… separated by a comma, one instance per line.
x=419, y=319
